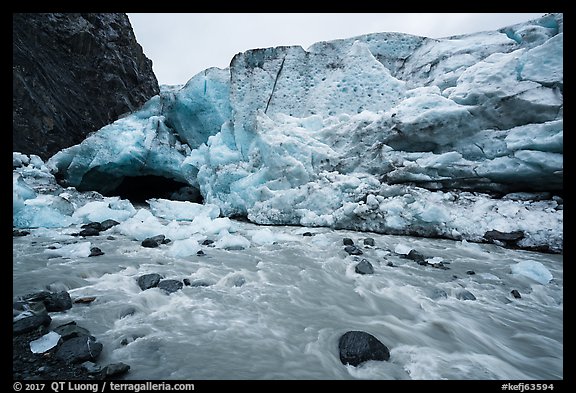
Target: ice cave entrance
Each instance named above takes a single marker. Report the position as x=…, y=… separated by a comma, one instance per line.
x=139, y=188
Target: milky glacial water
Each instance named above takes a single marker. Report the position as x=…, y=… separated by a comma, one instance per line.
x=277, y=309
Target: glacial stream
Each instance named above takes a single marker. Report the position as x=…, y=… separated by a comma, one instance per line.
x=276, y=309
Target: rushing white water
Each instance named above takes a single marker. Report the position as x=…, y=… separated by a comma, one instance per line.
x=276, y=310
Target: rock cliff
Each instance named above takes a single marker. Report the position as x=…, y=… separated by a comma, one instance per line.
x=73, y=74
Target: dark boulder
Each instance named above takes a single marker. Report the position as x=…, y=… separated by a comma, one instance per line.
x=364, y=267
x=18, y=232
x=507, y=239
x=48, y=301
x=79, y=349
x=357, y=347
x=58, y=301
x=148, y=281
x=170, y=286
x=107, y=224
x=114, y=370
x=516, y=294
x=89, y=232
x=72, y=74
x=92, y=225
x=28, y=324
x=347, y=241
x=154, y=241
x=369, y=242
x=417, y=257
x=95, y=252
x=353, y=250
x=71, y=330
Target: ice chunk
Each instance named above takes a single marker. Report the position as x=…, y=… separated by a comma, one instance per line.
x=112, y=208
x=182, y=210
x=232, y=242
x=532, y=269
x=19, y=159
x=544, y=63
x=435, y=260
x=21, y=191
x=76, y=250
x=402, y=249
x=48, y=211
x=141, y=225
x=45, y=343
x=184, y=247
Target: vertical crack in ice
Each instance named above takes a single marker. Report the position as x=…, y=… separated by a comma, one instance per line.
x=275, y=81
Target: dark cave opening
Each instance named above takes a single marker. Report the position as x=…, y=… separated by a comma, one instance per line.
x=140, y=188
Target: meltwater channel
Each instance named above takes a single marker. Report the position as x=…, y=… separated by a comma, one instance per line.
x=276, y=309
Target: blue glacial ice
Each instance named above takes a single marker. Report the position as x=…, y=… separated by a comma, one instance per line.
x=385, y=132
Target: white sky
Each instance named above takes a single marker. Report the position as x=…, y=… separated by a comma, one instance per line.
x=182, y=45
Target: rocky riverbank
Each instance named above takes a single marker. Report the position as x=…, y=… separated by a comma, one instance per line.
x=64, y=352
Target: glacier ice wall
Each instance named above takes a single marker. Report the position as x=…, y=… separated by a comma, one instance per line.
x=385, y=132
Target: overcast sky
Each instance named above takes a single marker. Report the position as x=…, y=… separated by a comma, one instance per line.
x=182, y=45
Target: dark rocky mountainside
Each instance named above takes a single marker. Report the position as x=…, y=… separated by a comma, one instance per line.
x=73, y=74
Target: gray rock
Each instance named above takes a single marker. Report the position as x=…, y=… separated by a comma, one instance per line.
x=148, y=281
x=46, y=301
x=70, y=330
x=58, y=301
x=92, y=225
x=417, y=257
x=18, y=232
x=347, y=241
x=353, y=250
x=364, y=267
x=170, y=286
x=153, y=241
x=30, y=323
x=107, y=224
x=357, y=347
x=369, y=242
x=114, y=370
x=79, y=349
x=89, y=232
x=92, y=368
x=95, y=252
x=516, y=294
x=506, y=238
